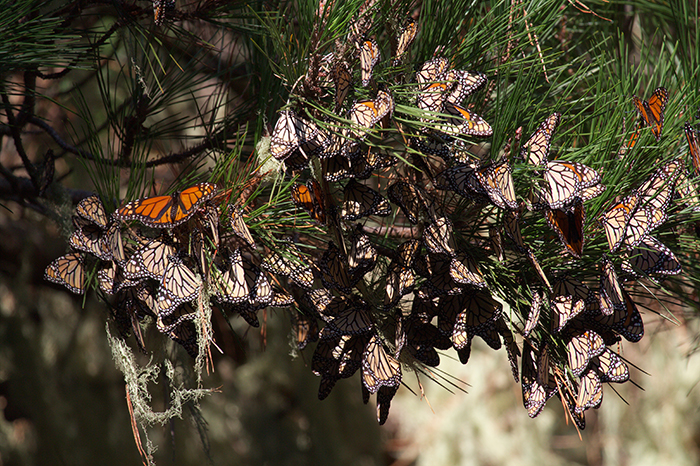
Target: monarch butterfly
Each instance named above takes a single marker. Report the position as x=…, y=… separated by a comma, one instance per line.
x=691, y=135
x=150, y=261
x=384, y=397
x=407, y=253
x=631, y=142
x=91, y=239
x=611, y=299
x=111, y=279
x=625, y=321
x=465, y=271
x=247, y=310
x=359, y=167
x=167, y=211
x=363, y=254
x=538, y=268
x=185, y=335
x=281, y=298
x=570, y=286
x=305, y=329
x=337, y=358
x=581, y=348
x=168, y=323
x=651, y=257
x=408, y=197
x=440, y=281
x=179, y=282
x=369, y=56
x=69, y=271
x=590, y=393
x=126, y=312
x=536, y=149
x=463, y=122
x=115, y=244
x=431, y=70
x=463, y=180
x=568, y=224
x=160, y=9
x=688, y=193
x=657, y=191
x=239, y=226
x=466, y=84
x=496, y=182
x=326, y=305
x=537, y=389
x=325, y=364
x=342, y=79
x=333, y=266
x=366, y=113
x=432, y=97
x=244, y=281
x=290, y=265
x=362, y=201
x=92, y=210
x=261, y=293
x=399, y=281
x=438, y=238
x=565, y=306
x=533, y=316
x=406, y=36
x=564, y=182
x=511, y=227
x=379, y=369
x=232, y=284
x=340, y=144
x=289, y=132
x=631, y=219
x=651, y=112
x=311, y=199
x=496, y=242
x=429, y=144
x=209, y=218
x=354, y=320
x=616, y=222
x=422, y=338
x=466, y=315
x=610, y=367
x=365, y=164
x=424, y=307
x=105, y=279
x=491, y=336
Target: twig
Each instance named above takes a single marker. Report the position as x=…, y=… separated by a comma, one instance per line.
x=17, y=137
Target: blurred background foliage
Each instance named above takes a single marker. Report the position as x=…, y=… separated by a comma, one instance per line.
x=188, y=100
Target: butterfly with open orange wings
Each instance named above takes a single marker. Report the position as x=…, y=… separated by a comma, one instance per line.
x=167, y=211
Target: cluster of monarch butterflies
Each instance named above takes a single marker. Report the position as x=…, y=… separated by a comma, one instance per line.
x=163, y=266
x=374, y=304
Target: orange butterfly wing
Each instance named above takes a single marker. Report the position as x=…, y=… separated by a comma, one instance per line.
x=652, y=111
x=569, y=227
x=190, y=199
x=152, y=211
x=167, y=211
x=693, y=146
x=310, y=198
